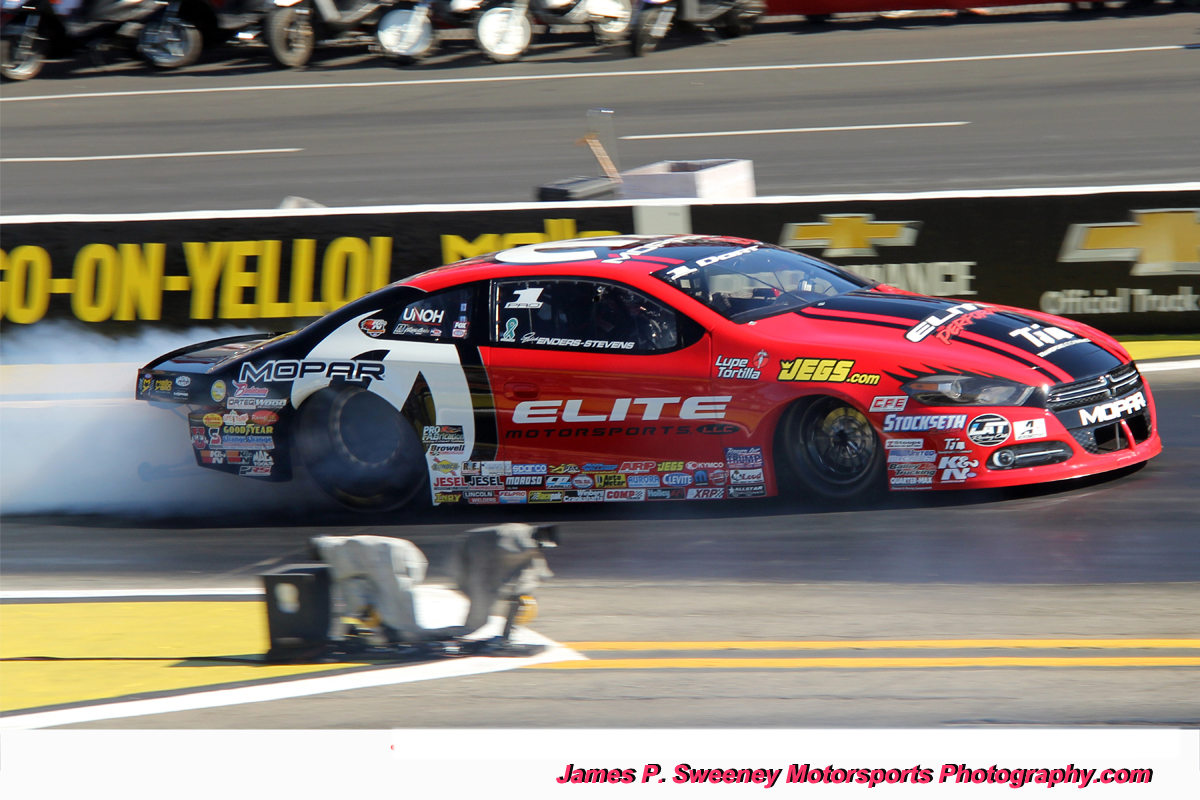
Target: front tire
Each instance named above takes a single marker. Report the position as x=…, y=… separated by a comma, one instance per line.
x=832, y=448
x=648, y=30
x=397, y=38
x=19, y=63
x=502, y=35
x=360, y=449
x=613, y=30
x=290, y=35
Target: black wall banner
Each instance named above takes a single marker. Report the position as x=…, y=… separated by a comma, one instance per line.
x=1125, y=261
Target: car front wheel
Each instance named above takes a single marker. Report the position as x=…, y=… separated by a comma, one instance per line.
x=360, y=449
x=831, y=448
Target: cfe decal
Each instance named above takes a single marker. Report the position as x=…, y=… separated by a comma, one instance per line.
x=848, y=235
x=1159, y=242
x=947, y=324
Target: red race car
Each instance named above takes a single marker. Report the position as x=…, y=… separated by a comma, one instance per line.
x=635, y=368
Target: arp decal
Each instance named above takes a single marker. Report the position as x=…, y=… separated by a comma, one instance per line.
x=824, y=370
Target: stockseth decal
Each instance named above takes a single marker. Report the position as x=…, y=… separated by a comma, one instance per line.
x=824, y=370
x=989, y=430
x=1029, y=429
x=924, y=422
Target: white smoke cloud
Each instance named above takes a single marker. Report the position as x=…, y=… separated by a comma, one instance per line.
x=73, y=439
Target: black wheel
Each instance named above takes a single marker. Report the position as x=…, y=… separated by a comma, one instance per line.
x=831, y=447
x=22, y=59
x=290, y=35
x=360, y=449
x=649, y=29
x=171, y=43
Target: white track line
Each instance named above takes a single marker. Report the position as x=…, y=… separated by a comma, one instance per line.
x=137, y=156
x=638, y=73
x=1168, y=366
x=761, y=131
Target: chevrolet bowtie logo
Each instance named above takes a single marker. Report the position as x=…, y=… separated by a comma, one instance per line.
x=1163, y=242
x=848, y=234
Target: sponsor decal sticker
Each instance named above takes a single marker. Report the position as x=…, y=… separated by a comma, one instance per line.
x=599, y=467
x=234, y=418
x=528, y=469
x=924, y=422
x=952, y=444
x=742, y=457
x=946, y=324
x=565, y=469
x=243, y=443
x=481, y=498
x=912, y=482
x=610, y=480
x=694, y=465
x=264, y=417
x=989, y=430
x=637, y=466
x=525, y=298
x=523, y=480
x=624, y=495
x=545, y=497
x=533, y=412
x=904, y=444
x=213, y=420
x=705, y=494
x=442, y=434
x=1029, y=429
x=1040, y=337
x=1107, y=412
x=446, y=497
x=218, y=391
x=956, y=469
x=737, y=368
x=460, y=330
x=513, y=497
x=824, y=370
x=911, y=456
x=447, y=467
x=677, y=479
x=643, y=481
x=881, y=403
x=510, y=330
x=748, y=491
x=559, y=482
x=584, y=496
x=373, y=327
x=718, y=476
x=199, y=438
x=183, y=381
x=742, y=477
x=243, y=389
x=422, y=316
x=582, y=482
x=144, y=384
x=290, y=370
x=670, y=466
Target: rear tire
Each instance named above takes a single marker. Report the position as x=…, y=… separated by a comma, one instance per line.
x=360, y=449
x=831, y=448
x=391, y=31
x=642, y=40
x=18, y=64
x=290, y=35
x=611, y=31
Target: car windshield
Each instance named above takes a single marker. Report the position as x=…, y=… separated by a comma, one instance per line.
x=759, y=281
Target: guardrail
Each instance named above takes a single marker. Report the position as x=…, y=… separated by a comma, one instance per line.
x=1125, y=258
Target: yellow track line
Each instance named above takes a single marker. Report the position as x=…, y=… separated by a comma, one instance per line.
x=870, y=663
x=898, y=644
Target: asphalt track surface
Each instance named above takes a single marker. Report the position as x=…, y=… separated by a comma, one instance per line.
x=460, y=130
x=754, y=614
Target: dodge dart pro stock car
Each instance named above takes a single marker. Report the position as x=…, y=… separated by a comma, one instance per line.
x=643, y=368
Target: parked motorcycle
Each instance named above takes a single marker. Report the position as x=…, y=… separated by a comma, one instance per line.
x=176, y=35
x=730, y=18
x=34, y=30
x=408, y=34
x=504, y=32
x=294, y=27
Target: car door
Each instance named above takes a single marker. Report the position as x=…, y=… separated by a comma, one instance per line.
x=602, y=392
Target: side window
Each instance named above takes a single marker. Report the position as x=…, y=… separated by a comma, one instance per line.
x=440, y=317
x=594, y=316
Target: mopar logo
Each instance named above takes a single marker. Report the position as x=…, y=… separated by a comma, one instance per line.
x=290, y=370
x=1114, y=410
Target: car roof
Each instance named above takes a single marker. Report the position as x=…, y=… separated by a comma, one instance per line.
x=621, y=256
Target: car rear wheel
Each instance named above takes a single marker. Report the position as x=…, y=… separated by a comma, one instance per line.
x=360, y=449
x=831, y=449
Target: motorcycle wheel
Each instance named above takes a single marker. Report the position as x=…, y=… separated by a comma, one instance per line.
x=290, y=35
x=643, y=39
x=21, y=64
x=171, y=43
x=501, y=35
x=739, y=20
x=392, y=31
x=613, y=30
